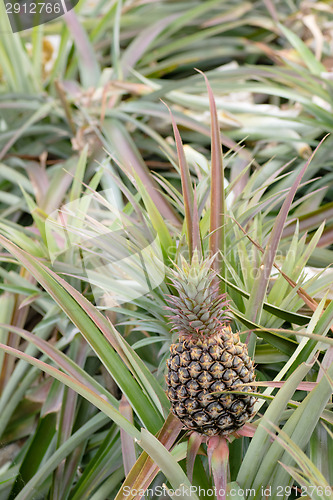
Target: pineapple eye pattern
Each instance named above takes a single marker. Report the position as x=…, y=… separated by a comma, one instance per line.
x=215, y=351
x=206, y=360
x=217, y=370
x=194, y=369
x=193, y=387
x=192, y=405
x=195, y=353
x=196, y=396
x=204, y=397
x=181, y=393
x=183, y=375
x=184, y=358
x=205, y=380
x=218, y=386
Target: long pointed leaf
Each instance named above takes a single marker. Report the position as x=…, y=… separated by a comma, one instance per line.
x=217, y=201
x=186, y=185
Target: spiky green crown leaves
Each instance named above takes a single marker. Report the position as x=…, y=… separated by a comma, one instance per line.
x=199, y=309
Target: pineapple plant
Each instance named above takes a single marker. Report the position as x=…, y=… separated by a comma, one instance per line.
x=208, y=361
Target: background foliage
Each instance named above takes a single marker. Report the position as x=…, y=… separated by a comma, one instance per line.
x=87, y=149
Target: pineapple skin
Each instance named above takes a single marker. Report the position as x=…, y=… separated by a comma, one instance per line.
x=198, y=369
x=208, y=357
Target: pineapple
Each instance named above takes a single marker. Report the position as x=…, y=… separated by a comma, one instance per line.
x=208, y=357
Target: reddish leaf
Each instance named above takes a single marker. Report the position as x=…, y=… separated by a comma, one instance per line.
x=186, y=183
x=217, y=201
x=196, y=239
x=127, y=443
x=247, y=430
x=303, y=386
x=193, y=446
x=326, y=363
x=218, y=456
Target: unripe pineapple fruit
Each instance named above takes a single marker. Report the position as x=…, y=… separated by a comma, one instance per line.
x=208, y=358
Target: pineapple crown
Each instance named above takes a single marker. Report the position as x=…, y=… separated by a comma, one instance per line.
x=199, y=309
